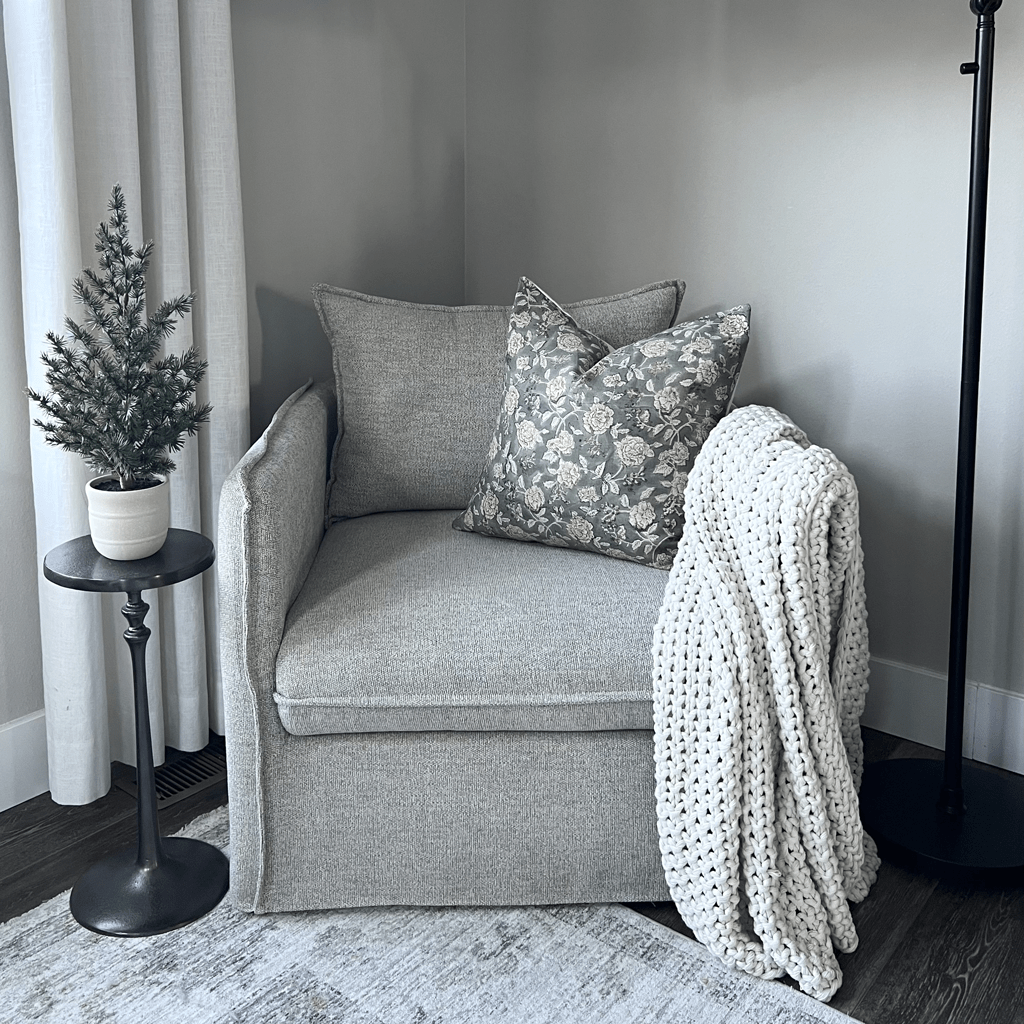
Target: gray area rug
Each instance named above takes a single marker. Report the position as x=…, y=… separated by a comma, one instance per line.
x=585, y=964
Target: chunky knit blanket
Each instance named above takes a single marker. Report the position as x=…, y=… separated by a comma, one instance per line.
x=760, y=675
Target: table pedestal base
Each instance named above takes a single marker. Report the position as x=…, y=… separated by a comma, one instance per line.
x=120, y=896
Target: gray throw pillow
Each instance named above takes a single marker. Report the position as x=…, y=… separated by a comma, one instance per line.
x=418, y=384
x=593, y=444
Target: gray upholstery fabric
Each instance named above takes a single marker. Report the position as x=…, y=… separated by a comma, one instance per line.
x=406, y=624
x=271, y=520
x=420, y=818
x=449, y=818
x=419, y=387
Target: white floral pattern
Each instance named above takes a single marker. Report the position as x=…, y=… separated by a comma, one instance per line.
x=593, y=445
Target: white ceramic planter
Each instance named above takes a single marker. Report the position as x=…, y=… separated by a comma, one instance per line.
x=128, y=524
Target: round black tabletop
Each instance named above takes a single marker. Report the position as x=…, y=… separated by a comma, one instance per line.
x=79, y=566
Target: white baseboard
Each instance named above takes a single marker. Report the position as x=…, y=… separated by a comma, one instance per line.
x=23, y=771
x=909, y=701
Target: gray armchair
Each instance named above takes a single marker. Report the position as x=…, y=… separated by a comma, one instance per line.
x=417, y=715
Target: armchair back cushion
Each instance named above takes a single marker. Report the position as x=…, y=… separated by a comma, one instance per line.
x=419, y=388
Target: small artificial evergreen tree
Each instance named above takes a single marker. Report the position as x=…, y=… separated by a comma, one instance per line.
x=113, y=402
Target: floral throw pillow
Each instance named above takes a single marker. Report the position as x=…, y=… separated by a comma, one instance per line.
x=593, y=444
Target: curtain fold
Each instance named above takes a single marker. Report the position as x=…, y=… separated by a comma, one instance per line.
x=105, y=91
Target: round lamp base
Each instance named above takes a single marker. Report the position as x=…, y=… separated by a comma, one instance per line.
x=118, y=896
x=900, y=811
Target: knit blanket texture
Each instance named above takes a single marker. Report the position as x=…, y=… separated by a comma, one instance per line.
x=760, y=677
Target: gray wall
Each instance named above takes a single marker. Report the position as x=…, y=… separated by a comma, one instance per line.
x=350, y=124
x=810, y=158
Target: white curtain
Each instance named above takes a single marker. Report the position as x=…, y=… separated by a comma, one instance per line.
x=105, y=91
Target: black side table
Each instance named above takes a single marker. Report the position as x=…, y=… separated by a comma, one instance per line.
x=164, y=883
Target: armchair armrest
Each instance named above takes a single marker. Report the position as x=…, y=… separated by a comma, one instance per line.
x=271, y=524
x=272, y=520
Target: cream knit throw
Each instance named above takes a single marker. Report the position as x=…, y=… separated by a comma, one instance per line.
x=760, y=675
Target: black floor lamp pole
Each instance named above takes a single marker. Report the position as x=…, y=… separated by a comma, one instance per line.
x=957, y=819
x=981, y=68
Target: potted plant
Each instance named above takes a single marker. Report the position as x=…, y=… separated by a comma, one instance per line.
x=115, y=401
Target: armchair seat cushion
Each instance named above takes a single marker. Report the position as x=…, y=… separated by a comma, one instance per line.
x=480, y=634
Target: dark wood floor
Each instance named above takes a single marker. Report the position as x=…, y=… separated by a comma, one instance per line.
x=930, y=952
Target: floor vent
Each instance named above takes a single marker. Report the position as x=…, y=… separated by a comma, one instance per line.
x=183, y=773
